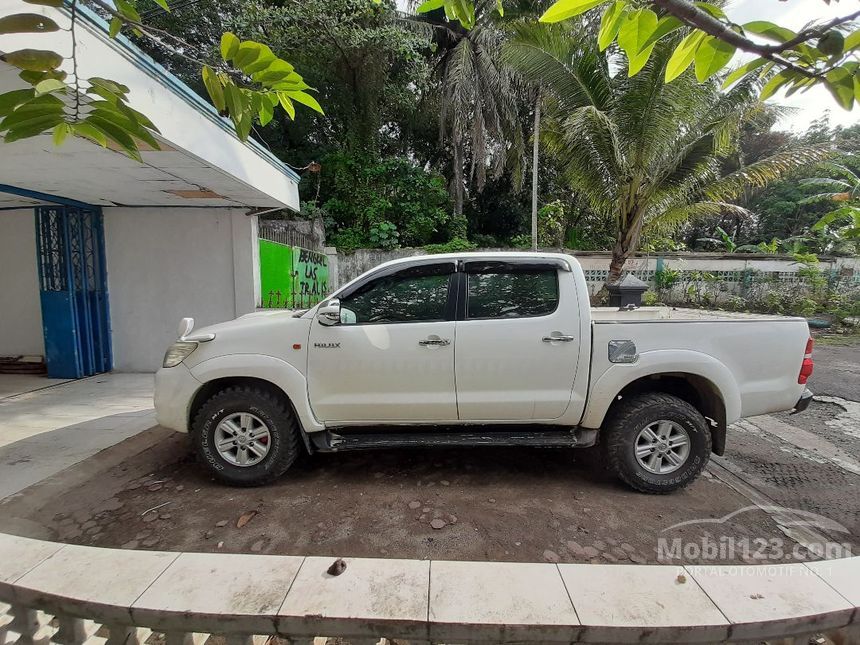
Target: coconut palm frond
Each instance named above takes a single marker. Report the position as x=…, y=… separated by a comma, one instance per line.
x=764, y=171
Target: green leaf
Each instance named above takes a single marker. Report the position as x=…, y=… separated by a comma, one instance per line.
x=49, y=85
x=637, y=62
x=127, y=9
x=115, y=27
x=775, y=83
x=46, y=3
x=840, y=82
x=431, y=5
x=852, y=40
x=266, y=111
x=683, y=55
x=711, y=56
x=564, y=9
x=229, y=45
x=10, y=100
x=163, y=4
x=111, y=86
x=287, y=104
x=742, y=71
x=33, y=127
x=214, y=88
x=31, y=110
x=857, y=87
x=711, y=9
x=306, y=99
x=35, y=60
x=636, y=30
x=61, y=131
x=247, y=53
x=769, y=30
x=233, y=98
x=35, y=77
x=665, y=26
x=500, y=8
x=93, y=134
x=610, y=23
x=20, y=23
x=264, y=59
x=114, y=133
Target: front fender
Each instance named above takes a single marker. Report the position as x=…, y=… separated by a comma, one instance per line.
x=608, y=385
x=267, y=368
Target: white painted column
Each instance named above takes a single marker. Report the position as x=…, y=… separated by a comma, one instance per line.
x=246, y=262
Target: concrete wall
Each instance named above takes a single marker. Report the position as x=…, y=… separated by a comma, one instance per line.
x=20, y=309
x=167, y=263
x=350, y=265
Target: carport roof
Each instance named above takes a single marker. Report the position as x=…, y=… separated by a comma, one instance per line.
x=201, y=162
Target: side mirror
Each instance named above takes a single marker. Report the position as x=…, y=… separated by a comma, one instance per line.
x=329, y=313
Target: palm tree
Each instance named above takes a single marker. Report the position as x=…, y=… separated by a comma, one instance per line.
x=843, y=186
x=646, y=153
x=479, y=116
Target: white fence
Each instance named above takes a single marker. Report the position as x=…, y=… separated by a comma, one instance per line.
x=71, y=595
x=730, y=269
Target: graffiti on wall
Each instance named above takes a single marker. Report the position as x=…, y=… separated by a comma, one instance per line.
x=291, y=277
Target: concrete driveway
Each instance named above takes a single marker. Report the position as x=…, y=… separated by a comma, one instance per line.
x=48, y=425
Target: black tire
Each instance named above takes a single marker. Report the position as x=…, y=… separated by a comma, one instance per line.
x=272, y=410
x=631, y=416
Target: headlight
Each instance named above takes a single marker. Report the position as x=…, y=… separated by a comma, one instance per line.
x=178, y=352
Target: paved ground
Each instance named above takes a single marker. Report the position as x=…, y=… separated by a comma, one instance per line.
x=47, y=425
x=496, y=504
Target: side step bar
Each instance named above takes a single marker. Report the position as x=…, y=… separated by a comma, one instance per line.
x=328, y=441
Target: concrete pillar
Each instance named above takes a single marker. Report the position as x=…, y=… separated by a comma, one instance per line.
x=333, y=278
x=246, y=262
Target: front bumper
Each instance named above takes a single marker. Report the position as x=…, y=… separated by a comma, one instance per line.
x=175, y=387
x=803, y=402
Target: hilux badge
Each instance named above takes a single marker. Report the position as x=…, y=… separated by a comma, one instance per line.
x=327, y=345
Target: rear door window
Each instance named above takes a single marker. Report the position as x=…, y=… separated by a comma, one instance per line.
x=511, y=292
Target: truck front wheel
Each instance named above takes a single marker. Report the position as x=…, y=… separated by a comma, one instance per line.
x=656, y=442
x=246, y=436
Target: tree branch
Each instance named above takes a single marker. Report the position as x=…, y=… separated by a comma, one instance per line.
x=692, y=16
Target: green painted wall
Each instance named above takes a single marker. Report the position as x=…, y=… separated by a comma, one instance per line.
x=291, y=277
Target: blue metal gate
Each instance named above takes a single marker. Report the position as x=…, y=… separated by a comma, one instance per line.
x=73, y=283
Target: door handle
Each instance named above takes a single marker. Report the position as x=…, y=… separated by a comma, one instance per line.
x=561, y=339
x=442, y=342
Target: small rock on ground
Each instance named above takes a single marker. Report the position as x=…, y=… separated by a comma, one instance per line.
x=221, y=523
x=551, y=556
x=131, y=544
x=257, y=546
x=414, y=504
x=437, y=523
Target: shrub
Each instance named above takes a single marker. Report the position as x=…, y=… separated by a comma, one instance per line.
x=454, y=246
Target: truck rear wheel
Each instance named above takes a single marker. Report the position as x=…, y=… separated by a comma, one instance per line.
x=656, y=442
x=246, y=436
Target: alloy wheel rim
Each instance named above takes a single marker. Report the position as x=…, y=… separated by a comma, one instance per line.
x=662, y=447
x=242, y=439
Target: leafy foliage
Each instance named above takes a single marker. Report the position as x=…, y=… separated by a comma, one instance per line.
x=609, y=135
x=382, y=202
x=246, y=85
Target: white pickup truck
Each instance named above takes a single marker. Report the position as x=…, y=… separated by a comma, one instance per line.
x=477, y=349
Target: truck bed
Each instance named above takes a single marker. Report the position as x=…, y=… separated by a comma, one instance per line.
x=668, y=314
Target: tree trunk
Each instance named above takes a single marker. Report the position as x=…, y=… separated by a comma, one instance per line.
x=458, y=178
x=535, y=150
x=626, y=244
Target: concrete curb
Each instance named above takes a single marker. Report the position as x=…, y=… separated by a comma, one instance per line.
x=422, y=600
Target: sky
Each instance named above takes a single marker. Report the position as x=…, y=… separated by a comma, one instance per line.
x=793, y=14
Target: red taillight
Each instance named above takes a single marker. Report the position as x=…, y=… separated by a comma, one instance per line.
x=807, y=365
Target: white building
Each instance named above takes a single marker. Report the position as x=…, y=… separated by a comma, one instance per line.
x=100, y=256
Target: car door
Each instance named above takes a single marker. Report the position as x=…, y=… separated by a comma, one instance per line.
x=518, y=340
x=391, y=358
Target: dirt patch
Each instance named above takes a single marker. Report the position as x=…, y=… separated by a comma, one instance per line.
x=498, y=504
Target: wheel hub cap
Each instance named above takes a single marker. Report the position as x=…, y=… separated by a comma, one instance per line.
x=662, y=447
x=242, y=439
